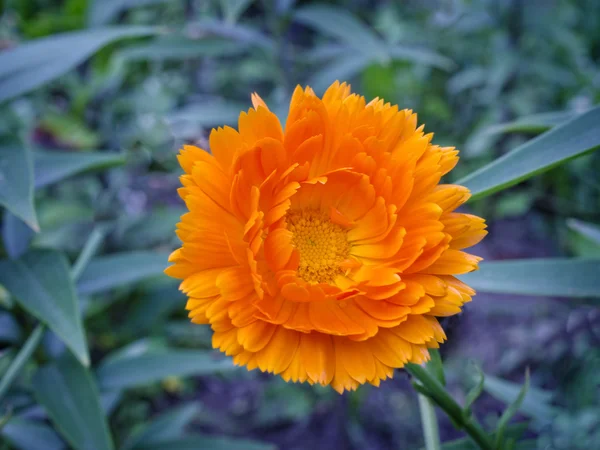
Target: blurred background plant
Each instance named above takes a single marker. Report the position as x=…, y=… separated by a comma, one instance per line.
x=96, y=96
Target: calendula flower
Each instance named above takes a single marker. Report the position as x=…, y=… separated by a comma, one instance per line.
x=324, y=252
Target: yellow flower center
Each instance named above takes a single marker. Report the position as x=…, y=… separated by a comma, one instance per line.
x=322, y=245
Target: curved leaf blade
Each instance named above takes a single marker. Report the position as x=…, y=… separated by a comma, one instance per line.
x=590, y=231
x=196, y=441
x=35, y=63
x=16, y=183
x=168, y=426
x=102, y=12
x=575, y=138
x=41, y=282
x=342, y=25
x=557, y=277
x=51, y=167
x=27, y=434
x=154, y=366
x=16, y=235
x=70, y=396
x=110, y=271
x=535, y=123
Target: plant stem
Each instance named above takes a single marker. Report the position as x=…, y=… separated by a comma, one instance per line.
x=429, y=423
x=436, y=392
x=21, y=359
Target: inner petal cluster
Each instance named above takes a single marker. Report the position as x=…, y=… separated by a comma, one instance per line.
x=322, y=245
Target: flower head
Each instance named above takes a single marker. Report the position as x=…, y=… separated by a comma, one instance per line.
x=326, y=251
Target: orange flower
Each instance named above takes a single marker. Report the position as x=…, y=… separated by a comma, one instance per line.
x=324, y=252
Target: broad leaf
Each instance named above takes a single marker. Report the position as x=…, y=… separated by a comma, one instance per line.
x=195, y=442
x=101, y=12
x=111, y=271
x=16, y=182
x=577, y=137
x=154, y=366
x=51, y=167
x=168, y=426
x=25, y=434
x=16, y=235
x=41, y=282
x=558, y=277
x=35, y=63
x=340, y=24
x=69, y=394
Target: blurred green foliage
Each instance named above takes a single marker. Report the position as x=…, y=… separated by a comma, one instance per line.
x=92, y=121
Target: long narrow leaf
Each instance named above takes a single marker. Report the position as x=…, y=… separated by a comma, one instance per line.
x=21, y=359
x=111, y=271
x=51, y=167
x=575, y=138
x=340, y=24
x=35, y=63
x=590, y=231
x=16, y=183
x=168, y=426
x=559, y=277
x=69, y=394
x=27, y=434
x=152, y=367
x=41, y=282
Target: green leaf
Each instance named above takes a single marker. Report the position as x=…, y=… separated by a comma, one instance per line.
x=558, y=277
x=40, y=281
x=590, y=231
x=196, y=441
x=168, y=426
x=512, y=432
x=89, y=249
x=535, y=123
x=512, y=409
x=178, y=47
x=476, y=390
x=16, y=235
x=51, y=167
x=153, y=305
x=575, y=138
x=110, y=271
x=101, y=12
x=344, y=67
x=69, y=394
x=421, y=56
x=435, y=366
x=25, y=434
x=16, y=182
x=233, y=9
x=21, y=359
x=243, y=34
x=35, y=63
x=535, y=403
x=208, y=114
x=342, y=25
x=156, y=365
